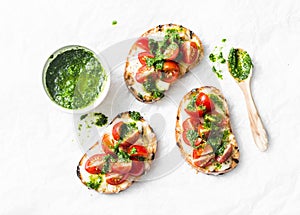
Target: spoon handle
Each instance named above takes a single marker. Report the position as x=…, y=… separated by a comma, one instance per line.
x=258, y=131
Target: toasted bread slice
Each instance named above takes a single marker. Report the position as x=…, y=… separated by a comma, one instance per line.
x=206, y=140
x=158, y=34
x=146, y=139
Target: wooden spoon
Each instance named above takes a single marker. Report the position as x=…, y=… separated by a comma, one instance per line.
x=258, y=131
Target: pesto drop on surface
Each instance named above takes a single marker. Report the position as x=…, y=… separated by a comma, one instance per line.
x=75, y=78
x=239, y=63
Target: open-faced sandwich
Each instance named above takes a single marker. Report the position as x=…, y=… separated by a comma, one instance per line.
x=158, y=58
x=124, y=154
x=203, y=132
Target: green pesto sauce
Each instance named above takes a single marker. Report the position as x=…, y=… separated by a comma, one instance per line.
x=75, y=78
x=239, y=63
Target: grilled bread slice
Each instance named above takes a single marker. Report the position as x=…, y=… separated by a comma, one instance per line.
x=204, y=134
x=124, y=153
x=158, y=58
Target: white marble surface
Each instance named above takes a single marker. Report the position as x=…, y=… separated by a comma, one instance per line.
x=39, y=152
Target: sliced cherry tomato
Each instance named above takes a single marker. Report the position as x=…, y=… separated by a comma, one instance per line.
x=116, y=130
x=197, y=113
x=190, y=123
x=137, y=168
x=143, y=56
x=115, y=178
x=171, y=51
x=227, y=152
x=130, y=139
x=107, y=144
x=190, y=52
x=145, y=72
x=203, y=133
x=143, y=43
x=204, y=101
x=95, y=163
x=121, y=167
x=197, y=153
x=186, y=140
x=170, y=71
x=137, y=151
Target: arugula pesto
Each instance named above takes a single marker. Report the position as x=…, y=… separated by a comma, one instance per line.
x=100, y=119
x=217, y=59
x=217, y=101
x=95, y=182
x=75, y=78
x=135, y=115
x=239, y=63
x=150, y=87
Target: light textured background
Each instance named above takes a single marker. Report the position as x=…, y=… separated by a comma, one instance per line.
x=39, y=153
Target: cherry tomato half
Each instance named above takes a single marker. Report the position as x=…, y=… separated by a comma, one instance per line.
x=170, y=71
x=121, y=167
x=137, y=169
x=115, y=178
x=203, y=133
x=171, y=51
x=116, y=130
x=143, y=56
x=95, y=163
x=137, y=151
x=143, y=43
x=186, y=140
x=107, y=144
x=190, y=52
x=130, y=139
x=144, y=72
x=205, y=101
x=190, y=123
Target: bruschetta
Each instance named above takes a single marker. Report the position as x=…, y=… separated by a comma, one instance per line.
x=203, y=132
x=123, y=154
x=158, y=58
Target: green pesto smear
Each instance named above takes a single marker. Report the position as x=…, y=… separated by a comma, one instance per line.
x=75, y=78
x=239, y=63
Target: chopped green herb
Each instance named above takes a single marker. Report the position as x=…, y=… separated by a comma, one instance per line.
x=192, y=136
x=123, y=156
x=150, y=86
x=95, y=181
x=217, y=101
x=82, y=117
x=132, y=151
x=106, y=166
x=191, y=105
x=216, y=57
x=101, y=119
x=135, y=115
x=218, y=165
x=223, y=40
x=114, y=22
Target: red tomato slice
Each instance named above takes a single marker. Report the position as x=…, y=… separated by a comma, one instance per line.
x=143, y=56
x=143, y=43
x=137, y=169
x=130, y=139
x=171, y=51
x=190, y=124
x=95, y=163
x=197, y=153
x=107, y=144
x=197, y=113
x=115, y=178
x=205, y=101
x=170, y=71
x=144, y=72
x=137, y=151
x=116, y=130
x=121, y=167
x=190, y=52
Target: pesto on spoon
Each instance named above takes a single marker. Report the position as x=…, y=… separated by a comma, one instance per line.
x=240, y=67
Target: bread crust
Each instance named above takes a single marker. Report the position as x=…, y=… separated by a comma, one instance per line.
x=234, y=158
x=130, y=68
x=150, y=142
